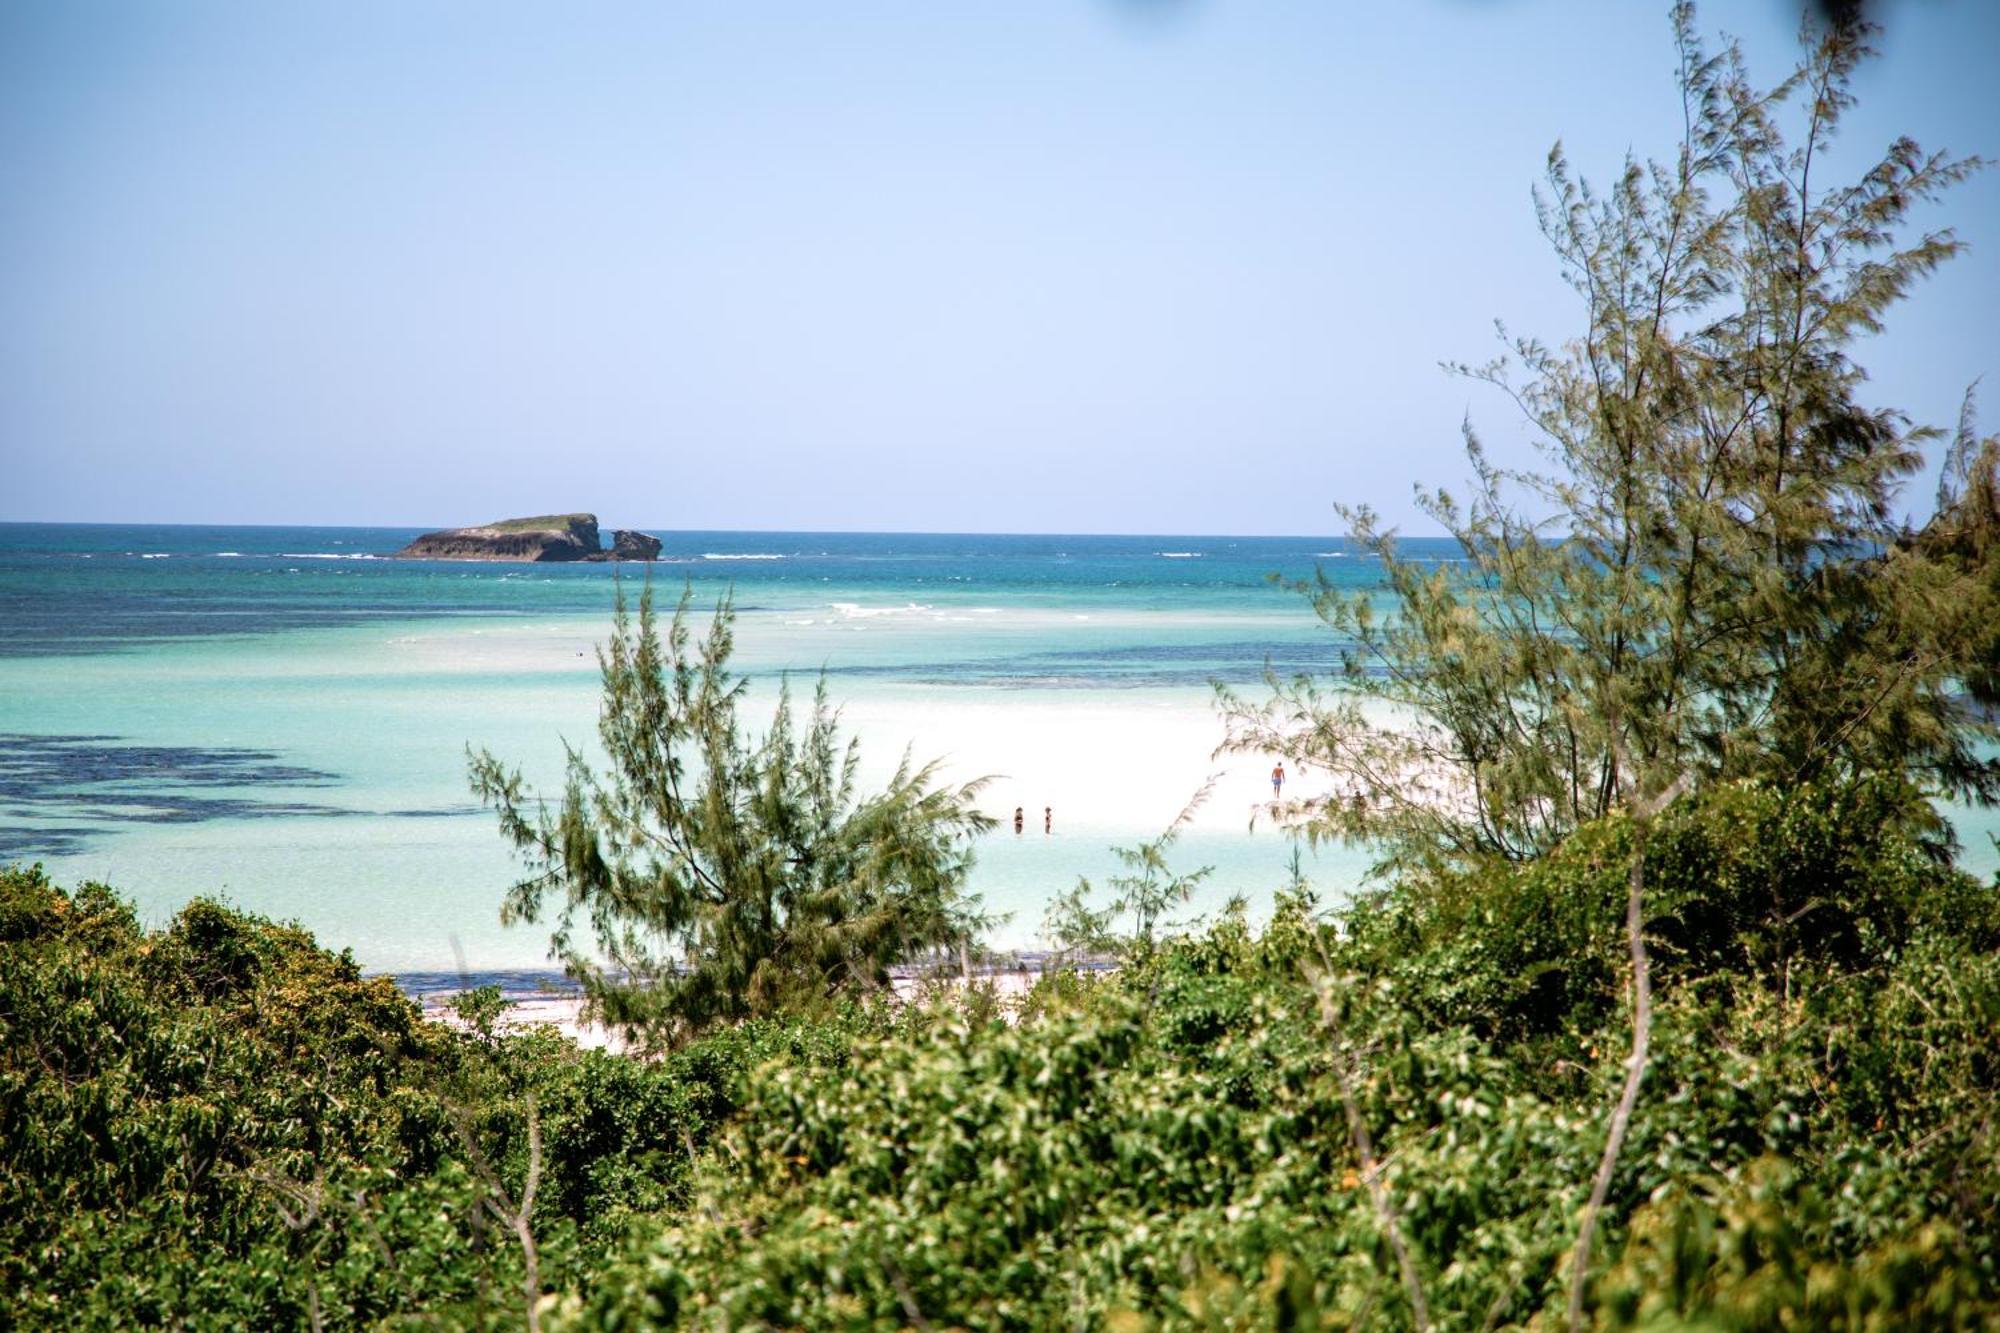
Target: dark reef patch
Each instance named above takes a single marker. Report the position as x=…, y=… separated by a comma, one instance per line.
x=1136, y=666
x=70, y=788
x=121, y=622
x=29, y=844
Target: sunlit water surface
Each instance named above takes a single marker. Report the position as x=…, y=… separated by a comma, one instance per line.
x=280, y=717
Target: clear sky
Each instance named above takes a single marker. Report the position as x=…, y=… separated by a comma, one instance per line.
x=957, y=265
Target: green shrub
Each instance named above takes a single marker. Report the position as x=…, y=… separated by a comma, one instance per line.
x=1170, y=1147
x=1745, y=881
x=222, y=1125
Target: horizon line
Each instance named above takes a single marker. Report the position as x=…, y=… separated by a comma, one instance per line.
x=654, y=529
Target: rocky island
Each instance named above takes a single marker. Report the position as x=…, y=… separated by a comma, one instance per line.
x=547, y=538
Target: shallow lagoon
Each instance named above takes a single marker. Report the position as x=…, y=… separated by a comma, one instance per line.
x=268, y=715
x=271, y=715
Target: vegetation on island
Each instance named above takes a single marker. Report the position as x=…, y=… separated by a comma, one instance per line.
x=1670, y=1011
x=541, y=523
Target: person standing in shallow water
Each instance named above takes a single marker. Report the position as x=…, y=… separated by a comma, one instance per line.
x=1278, y=782
x=1019, y=822
x=1048, y=819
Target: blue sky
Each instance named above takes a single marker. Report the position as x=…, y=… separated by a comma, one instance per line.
x=1044, y=265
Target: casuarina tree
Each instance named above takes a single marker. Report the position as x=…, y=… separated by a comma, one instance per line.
x=705, y=875
x=1706, y=575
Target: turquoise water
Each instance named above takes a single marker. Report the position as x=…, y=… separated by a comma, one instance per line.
x=279, y=716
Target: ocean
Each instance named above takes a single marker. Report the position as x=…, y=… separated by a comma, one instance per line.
x=279, y=717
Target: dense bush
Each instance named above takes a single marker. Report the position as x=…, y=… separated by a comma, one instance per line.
x=1816, y=1146
x=222, y=1125
x=219, y=1125
x=1747, y=883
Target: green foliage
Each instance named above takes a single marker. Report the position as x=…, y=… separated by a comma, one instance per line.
x=723, y=879
x=1142, y=895
x=221, y=1125
x=1705, y=578
x=539, y=523
x=167, y=1102
x=1169, y=1147
x=1744, y=880
x=480, y=1010
x=1744, y=1256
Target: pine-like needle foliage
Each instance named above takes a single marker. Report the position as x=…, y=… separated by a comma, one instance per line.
x=722, y=877
x=1706, y=577
x=1148, y=888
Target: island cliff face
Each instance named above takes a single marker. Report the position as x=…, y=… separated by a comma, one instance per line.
x=627, y=545
x=548, y=538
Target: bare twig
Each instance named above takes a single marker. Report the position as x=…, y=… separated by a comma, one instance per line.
x=1364, y=1147
x=904, y=1297
x=309, y=1200
x=1504, y=1301
x=532, y=1281
x=694, y=1189
x=1628, y=1097
x=515, y=1217
x=1642, y=1039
